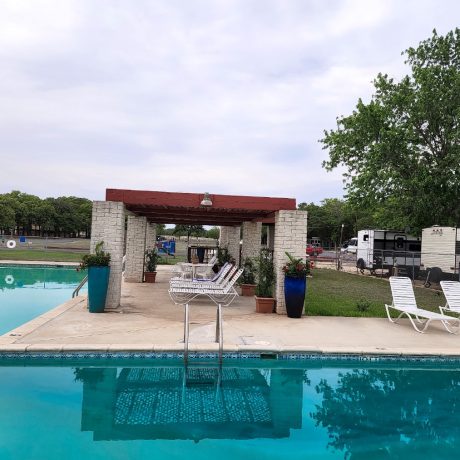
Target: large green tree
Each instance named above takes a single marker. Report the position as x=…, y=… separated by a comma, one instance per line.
x=402, y=149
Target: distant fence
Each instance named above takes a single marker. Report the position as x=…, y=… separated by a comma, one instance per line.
x=77, y=245
x=429, y=267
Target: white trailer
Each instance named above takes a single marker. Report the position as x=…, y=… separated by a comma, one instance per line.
x=384, y=249
x=440, y=251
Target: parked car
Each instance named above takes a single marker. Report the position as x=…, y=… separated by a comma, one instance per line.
x=313, y=250
x=350, y=247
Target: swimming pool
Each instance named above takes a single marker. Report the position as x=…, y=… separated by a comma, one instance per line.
x=26, y=292
x=249, y=409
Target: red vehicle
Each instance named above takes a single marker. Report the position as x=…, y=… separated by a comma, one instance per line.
x=313, y=250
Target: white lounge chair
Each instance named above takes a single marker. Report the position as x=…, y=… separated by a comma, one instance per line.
x=181, y=295
x=185, y=270
x=225, y=273
x=404, y=302
x=224, y=295
x=451, y=290
x=204, y=272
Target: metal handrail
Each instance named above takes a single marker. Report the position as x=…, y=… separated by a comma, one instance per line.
x=77, y=289
x=219, y=332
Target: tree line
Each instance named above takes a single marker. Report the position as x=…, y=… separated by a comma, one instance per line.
x=24, y=214
x=325, y=220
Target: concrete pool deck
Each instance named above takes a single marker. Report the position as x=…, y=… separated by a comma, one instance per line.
x=148, y=321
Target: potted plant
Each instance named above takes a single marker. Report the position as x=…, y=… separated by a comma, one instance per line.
x=151, y=261
x=248, y=278
x=98, y=277
x=266, y=280
x=295, y=285
x=223, y=256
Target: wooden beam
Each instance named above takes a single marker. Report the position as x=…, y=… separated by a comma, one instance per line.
x=193, y=200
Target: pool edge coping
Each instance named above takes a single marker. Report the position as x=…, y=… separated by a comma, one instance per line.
x=9, y=337
x=69, y=351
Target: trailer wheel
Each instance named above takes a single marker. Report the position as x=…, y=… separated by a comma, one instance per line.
x=360, y=265
x=435, y=274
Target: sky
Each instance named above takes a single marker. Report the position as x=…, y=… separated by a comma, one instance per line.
x=223, y=96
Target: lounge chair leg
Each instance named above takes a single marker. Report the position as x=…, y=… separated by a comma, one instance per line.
x=393, y=320
x=426, y=323
x=451, y=330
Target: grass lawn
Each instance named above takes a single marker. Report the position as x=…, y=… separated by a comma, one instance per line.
x=35, y=254
x=333, y=293
x=167, y=260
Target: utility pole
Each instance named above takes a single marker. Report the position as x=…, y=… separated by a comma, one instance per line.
x=339, y=252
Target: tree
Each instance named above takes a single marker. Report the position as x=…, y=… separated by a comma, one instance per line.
x=391, y=413
x=213, y=232
x=325, y=220
x=189, y=230
x=31, y=215
x=402, y=150
x=7, y=217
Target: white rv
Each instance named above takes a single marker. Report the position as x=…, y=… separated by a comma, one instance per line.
x=383, y=249
x=440, y=250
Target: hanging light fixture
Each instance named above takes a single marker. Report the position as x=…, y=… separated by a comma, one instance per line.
x=206, y=201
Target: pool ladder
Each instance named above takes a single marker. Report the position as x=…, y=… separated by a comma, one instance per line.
x=219, y=332
x=77, y=289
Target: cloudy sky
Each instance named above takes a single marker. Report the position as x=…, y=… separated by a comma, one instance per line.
x=188, y=95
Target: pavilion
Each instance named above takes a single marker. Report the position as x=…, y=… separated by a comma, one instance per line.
x=142, y=210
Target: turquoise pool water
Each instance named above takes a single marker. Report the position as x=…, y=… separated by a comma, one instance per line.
x=91, y=410
x=27, y=292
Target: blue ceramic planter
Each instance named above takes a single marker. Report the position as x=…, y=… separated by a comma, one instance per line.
x=294, y=295
x=98, y=283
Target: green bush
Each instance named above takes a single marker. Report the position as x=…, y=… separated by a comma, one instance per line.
x=265, y=273
x=249, y=272
x=363, y=305
x=151, y=260
x=98, y=259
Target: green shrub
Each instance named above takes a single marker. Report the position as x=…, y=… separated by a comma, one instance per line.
x=363, y=305
x=98, y=259
x=249, y=272
x=265, y=273
x=151, y=260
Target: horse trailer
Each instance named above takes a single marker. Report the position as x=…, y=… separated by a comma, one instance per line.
x=385, y=249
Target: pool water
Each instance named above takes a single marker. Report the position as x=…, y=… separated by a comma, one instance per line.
x=95, y=410
x=27, y=292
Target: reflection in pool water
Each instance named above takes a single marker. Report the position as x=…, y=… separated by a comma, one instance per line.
x=262, y=411
x=392, y=413
x=199, y=403
x=27, y=292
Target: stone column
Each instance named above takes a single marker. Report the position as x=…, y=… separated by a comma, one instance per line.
x=108, y=225
x=150, y=235
x=230, y=238
x=290, y=236
x=135, y=248
x=271, y=237
x=252, y=235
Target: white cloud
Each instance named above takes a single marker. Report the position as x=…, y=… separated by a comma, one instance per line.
x=224, y=96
